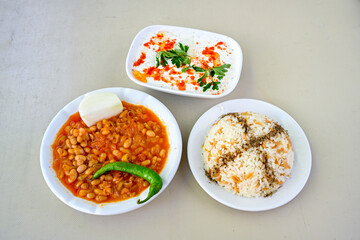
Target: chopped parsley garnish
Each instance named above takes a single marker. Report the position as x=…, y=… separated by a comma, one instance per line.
x=178, y=56
x=219, y=71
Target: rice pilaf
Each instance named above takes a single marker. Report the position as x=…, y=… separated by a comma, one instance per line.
x=248, y=154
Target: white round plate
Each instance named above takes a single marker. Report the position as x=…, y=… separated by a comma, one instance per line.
x=130, y=96
x=299, y=174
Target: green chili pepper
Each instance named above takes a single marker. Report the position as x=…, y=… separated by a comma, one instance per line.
x=149, y=175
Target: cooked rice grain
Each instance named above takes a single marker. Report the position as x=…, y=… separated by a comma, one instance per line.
x=248, y=154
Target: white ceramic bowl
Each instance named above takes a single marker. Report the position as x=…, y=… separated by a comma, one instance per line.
x=152, y=30
x=300, y=171
x=128, y=95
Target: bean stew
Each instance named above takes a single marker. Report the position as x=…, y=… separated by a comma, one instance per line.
x=136, y=135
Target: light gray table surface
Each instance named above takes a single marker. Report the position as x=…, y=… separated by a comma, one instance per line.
x=302, y=56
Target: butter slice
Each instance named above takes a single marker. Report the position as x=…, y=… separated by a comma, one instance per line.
x=98, y=106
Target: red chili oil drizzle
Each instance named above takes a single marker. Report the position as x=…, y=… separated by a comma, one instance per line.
x=141, y=60
x=159, y=42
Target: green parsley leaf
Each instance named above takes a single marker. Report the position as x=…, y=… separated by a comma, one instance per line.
x=207, y=86
x=221, y=70
x=218, y=71
x=185, y=69
x=202, y=79
x=157, y=62
x=198, y=69
x=178, y=56
x=215, y=85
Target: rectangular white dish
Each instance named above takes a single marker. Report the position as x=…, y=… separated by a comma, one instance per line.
x=229, y=52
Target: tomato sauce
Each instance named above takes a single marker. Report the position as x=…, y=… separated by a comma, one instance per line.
x=136, y=135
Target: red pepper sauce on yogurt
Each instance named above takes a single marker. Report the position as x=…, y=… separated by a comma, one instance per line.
x=184, y=62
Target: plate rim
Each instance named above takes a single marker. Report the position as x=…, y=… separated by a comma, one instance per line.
x=98, y=209
x=214, y=195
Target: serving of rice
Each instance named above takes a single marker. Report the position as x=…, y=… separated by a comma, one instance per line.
x=248, y=154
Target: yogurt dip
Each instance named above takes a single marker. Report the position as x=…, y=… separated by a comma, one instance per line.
x=209, y=65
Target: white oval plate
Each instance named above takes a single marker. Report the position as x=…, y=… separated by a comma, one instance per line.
x=299, y=174
x=143, y=35
x=130, y=96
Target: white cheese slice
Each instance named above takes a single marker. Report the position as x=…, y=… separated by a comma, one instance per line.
x=99, y=106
